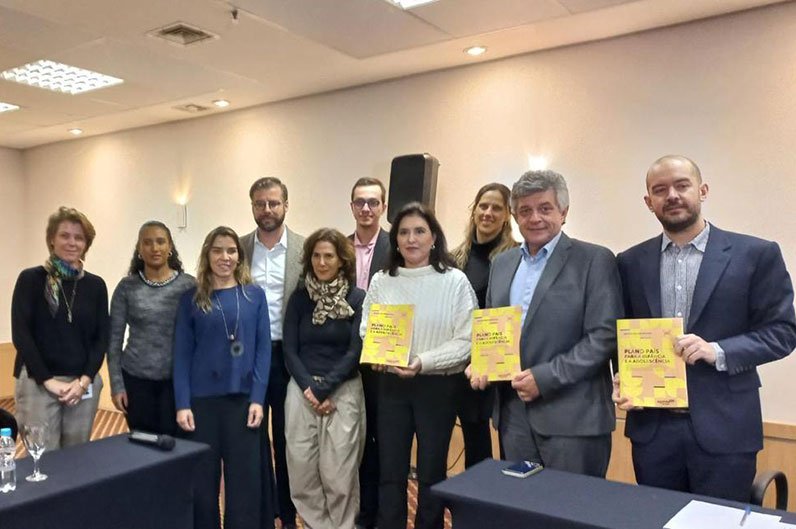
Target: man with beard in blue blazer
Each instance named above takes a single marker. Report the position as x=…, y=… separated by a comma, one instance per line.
x=736, y=300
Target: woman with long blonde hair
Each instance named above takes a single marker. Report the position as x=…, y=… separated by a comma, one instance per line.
x=488, y=234
x=222, y=355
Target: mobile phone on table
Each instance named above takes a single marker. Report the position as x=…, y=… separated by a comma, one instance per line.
x=523, y=469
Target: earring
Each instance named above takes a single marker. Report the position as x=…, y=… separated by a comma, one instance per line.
x=139, y=256
x=171, y=253
x=433, y=246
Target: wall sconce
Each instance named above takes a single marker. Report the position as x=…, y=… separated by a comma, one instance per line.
x=182, y=214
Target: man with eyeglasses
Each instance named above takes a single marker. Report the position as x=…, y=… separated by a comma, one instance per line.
x=372, y=248
x=274, y=253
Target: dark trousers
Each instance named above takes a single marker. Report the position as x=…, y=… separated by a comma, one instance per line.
x=275, y=407
x=474, y=409
x=221, y=423
x=674, y=460
x=150, y=404
x=369, y=468
x=423, y=406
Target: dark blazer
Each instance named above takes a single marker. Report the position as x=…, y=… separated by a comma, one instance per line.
x=381, y=252
x=568, y=336
x=743, y=299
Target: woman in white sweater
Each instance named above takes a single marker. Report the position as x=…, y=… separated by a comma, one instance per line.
x=420, y=399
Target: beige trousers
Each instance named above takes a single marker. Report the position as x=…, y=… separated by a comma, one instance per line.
x=66, y=425
x=323, y=456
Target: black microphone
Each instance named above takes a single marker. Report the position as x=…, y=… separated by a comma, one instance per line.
x=164, y=442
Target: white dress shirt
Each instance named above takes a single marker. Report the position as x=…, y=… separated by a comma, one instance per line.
x=268, y=271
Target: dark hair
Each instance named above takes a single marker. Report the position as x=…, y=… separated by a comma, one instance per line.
x=439, y=257
x=65, y=214
x=367, y=181
x=204, y=280
x=137, y=264
x=268, y=182
x=343, y=247
x=461, y=254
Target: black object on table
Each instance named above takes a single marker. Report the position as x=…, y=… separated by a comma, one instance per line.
x=110, y=483
x=483, y=497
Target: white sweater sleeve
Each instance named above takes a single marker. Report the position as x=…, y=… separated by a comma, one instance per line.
x=371, y=298
x=455, y=351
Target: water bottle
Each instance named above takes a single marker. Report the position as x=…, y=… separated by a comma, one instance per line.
x=8, y=465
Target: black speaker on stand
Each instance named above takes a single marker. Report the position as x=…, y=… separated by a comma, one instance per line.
x=413, y=177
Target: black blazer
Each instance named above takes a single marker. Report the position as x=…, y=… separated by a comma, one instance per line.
x=381, y=252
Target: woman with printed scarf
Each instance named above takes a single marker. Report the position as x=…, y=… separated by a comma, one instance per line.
x=325, y=404
x=60, y=328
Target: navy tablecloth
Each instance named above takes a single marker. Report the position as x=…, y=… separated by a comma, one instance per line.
x=109, y=483
x=483, y=497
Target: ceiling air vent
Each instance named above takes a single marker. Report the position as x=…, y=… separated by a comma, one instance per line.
x=192, y=108
x=182, y=34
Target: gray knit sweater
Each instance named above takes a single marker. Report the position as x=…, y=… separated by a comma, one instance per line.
x=150, y=313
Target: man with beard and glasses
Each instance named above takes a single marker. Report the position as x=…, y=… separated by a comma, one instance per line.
x=275, y=256
x=736, y=300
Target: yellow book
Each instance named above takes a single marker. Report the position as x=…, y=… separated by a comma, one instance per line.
x=650, y=373
x=496, y=343
x=388, y=337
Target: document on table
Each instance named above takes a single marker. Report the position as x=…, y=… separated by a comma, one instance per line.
x=699, y=514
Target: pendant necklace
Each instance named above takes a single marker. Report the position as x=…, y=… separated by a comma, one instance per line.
x=236, y=347
x=70, y=304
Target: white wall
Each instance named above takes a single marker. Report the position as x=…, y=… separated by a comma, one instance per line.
x=720, y=91
x=12, y=232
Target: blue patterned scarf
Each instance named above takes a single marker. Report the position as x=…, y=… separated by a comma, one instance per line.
x=57, y=269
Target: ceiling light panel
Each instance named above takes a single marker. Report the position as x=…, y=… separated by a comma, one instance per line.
x=409, y=4
x=7, y=107
x=58, y=77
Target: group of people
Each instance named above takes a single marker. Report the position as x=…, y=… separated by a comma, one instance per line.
x=270, y=332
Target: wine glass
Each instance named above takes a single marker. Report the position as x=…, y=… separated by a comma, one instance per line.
x=34, y=436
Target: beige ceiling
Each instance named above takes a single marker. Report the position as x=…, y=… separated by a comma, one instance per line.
x=277, y=49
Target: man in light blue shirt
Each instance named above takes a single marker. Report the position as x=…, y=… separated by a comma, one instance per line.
x=558, y=410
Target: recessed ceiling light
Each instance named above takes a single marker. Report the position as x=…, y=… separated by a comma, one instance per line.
x=75, y=132
x=409, y=4
x=221, y=103
x=7, y=107
x=59, y=77
x=475, y=51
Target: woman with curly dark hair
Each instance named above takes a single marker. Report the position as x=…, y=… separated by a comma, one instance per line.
x=325, y=404
x=145, y=302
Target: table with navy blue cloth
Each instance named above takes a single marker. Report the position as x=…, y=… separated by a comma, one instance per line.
x=110, y=483
x=483, y=497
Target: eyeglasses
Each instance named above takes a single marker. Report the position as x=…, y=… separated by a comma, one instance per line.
x=372, y=203
x=262, y=205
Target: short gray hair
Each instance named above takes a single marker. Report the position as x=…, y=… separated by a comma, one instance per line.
x=539, y=181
